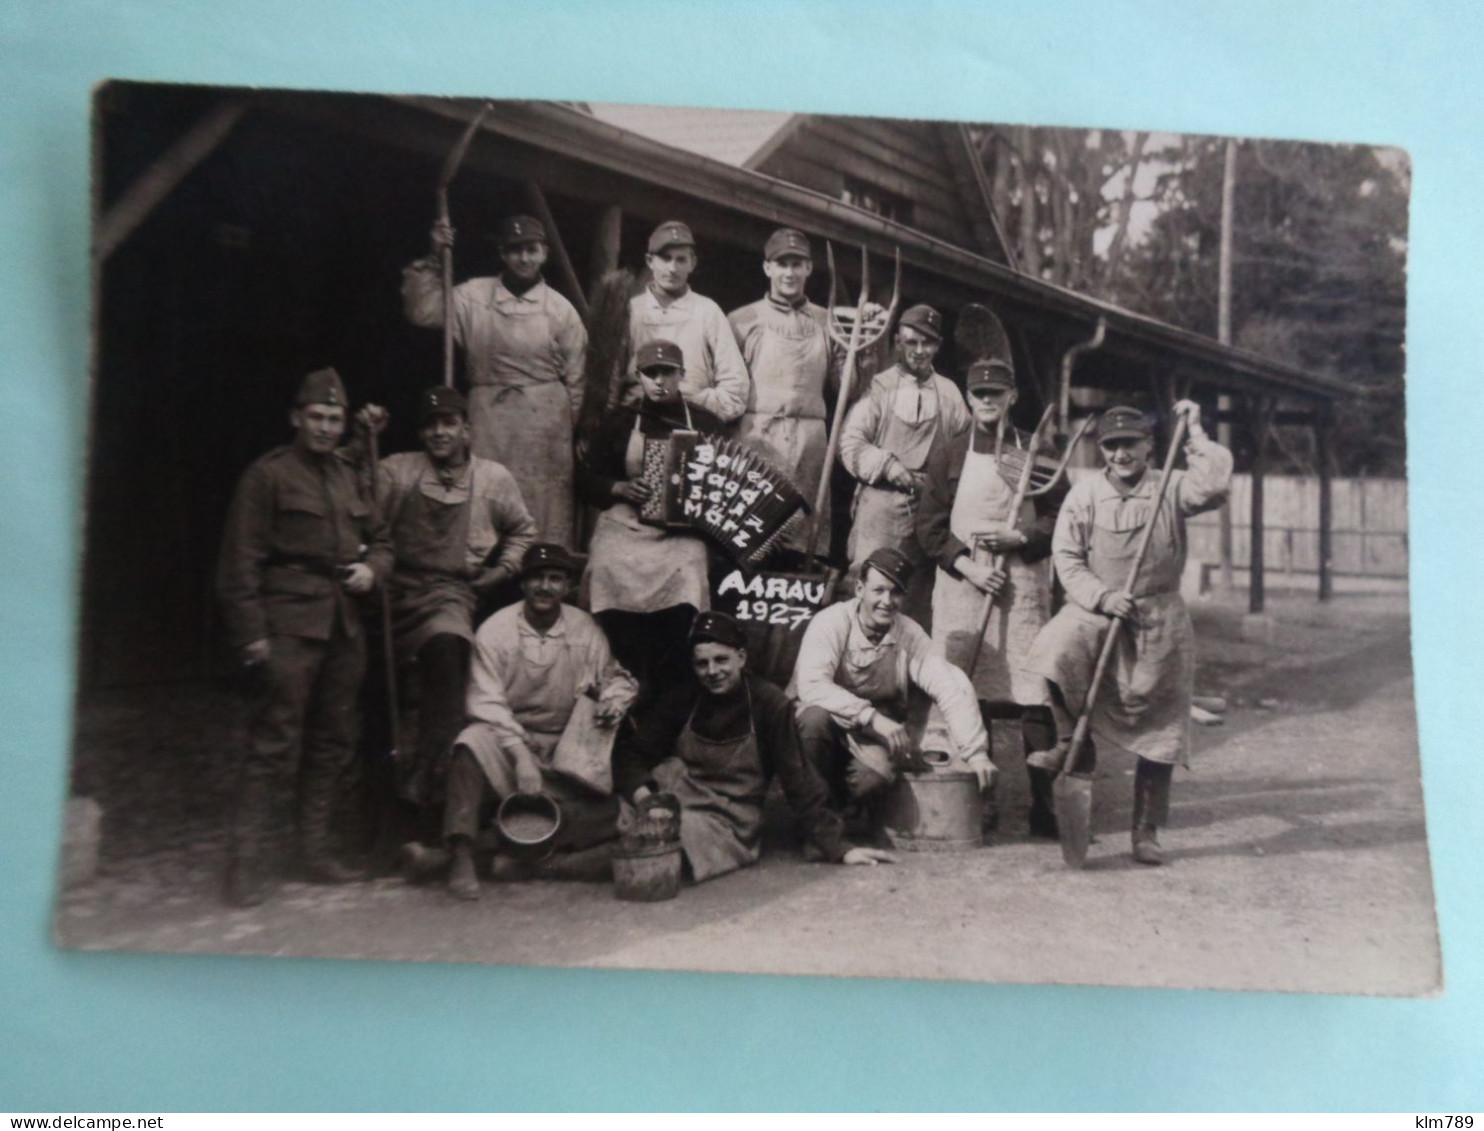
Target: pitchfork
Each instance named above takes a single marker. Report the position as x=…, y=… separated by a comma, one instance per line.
x=850, y=328
x=1025, y=489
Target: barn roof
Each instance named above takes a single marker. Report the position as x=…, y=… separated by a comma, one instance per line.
x=581, y=136
x=733, y=137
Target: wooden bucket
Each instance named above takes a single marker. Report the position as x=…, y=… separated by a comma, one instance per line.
x=936, y=811
x=647, y=875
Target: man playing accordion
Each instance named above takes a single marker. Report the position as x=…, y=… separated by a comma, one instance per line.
x=645, y=583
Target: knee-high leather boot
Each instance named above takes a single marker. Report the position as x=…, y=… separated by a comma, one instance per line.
x=316, y=811
x=1038, y=733
x=1151, y=809
x=247, y=878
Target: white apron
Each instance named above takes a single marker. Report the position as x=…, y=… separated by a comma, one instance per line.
x=980, y=506
x=721, y=788
x=1143, y=705
x=520, y=413
x=638, y=568
x=785, y=419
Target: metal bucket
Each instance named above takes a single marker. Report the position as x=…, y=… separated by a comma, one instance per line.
x=529, y=823
x=647, y=875
x=937, y=811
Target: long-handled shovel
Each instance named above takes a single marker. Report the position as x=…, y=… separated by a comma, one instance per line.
x=445, y=253
x=1072, y=791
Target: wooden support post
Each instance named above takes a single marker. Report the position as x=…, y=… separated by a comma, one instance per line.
x=168, y=170
x=1259, y=413
x=1225, y=579
x=1324, y=456
x=558, y=248
x=605, y=246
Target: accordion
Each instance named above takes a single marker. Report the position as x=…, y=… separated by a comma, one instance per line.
x=714, y=485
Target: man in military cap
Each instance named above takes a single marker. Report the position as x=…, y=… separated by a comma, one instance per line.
x=795, y=369
x=459, y=528
x=715, y=376
x=985, y=553
x=715, y=746
x=534, y=662
x=645, y=582
x=302, y=545
x=885, y=445
x=861, y=665
x=1143, y=706
x=525, y=346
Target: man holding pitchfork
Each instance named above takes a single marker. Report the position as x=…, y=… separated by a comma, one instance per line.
x=986, y=554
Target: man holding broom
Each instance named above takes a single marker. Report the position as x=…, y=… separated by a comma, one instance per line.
x=1143, y=706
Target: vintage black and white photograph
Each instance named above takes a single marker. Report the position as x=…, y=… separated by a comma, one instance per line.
x=573, y=534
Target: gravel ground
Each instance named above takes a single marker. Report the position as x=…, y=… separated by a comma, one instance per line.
x=1297, y=855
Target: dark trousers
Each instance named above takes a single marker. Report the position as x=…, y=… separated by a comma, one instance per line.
x=1037, y=732
x=443, y=684
x=303, y=718
x=1152, y=793
x=652, y=646
x=822, y=743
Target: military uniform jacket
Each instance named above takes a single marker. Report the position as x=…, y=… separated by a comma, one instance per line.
x=295, y=521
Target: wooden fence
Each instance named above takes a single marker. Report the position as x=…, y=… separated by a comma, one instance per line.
x=1369, y=528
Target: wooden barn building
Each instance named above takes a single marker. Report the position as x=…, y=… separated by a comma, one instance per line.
x=243, y=238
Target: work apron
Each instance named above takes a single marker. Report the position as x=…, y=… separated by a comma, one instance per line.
x=879, y=682
x=786, y=418
x=430, y=593
x=637, y=568
x=982, y=505
x=1143, y=706
x=721, y=788
x=545, y=683
x=523, y=422
x=883, y=515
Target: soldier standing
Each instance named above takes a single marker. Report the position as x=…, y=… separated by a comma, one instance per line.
x=301, y=546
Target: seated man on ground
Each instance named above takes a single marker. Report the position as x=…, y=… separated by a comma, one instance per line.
x=716, y=747
x=533, y=663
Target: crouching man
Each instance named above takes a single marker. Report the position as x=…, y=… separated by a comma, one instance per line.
x=716, y=747
x=859, y=663
x=532, y=663
x=1143, y=706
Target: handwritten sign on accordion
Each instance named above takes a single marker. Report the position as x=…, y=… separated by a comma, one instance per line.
x=733, y=495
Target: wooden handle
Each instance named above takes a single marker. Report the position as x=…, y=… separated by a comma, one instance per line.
x=1084, y=720
x=445, y=257
x=1022, y=485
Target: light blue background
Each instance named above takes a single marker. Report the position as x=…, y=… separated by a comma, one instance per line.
x=123, y=1032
